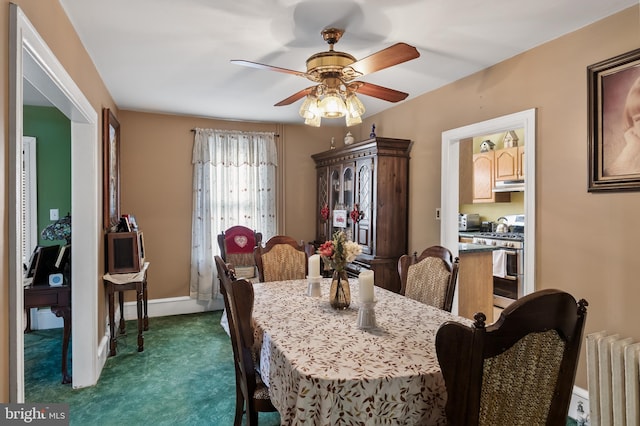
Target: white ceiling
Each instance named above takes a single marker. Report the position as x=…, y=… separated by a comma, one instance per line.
x=174, y=57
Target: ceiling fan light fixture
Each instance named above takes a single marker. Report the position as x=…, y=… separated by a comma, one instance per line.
x=355, y=108
x=332, y=106
x=352, y=120
x=309, y=108
x=313, y=121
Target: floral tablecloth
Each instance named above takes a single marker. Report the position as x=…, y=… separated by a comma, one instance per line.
x=323, y=370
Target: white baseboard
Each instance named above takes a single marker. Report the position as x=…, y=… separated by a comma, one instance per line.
x=103, y=352
x=579, y=395
x=44, y=319
x=172, y=306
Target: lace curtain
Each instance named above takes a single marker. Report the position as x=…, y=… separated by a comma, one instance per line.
x=234, y=176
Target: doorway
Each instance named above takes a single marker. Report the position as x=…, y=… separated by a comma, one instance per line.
x=31, y=60
x=450, y=183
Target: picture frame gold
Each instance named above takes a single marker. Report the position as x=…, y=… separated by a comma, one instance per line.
x=614, y=142
x=111, y=168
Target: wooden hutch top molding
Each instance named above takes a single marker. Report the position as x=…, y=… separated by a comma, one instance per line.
x=375, y=146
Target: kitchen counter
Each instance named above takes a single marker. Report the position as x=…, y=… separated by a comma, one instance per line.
x=475, y=248
x=469, y=234
x=475, y=280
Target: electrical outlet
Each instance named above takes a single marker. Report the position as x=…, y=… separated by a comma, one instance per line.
x=438, y=213
x=54, y=214
x=579, y=409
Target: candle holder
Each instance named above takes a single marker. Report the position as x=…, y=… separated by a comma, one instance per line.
x=367, y=315
x=313, y=287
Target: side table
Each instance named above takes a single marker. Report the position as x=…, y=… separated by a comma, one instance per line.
x=120, y=282
x=59, y=299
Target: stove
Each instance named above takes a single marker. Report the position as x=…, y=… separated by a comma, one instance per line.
x=513, y=240
x=508, y=281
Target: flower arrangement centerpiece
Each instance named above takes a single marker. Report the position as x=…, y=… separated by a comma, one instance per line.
x=336, y=253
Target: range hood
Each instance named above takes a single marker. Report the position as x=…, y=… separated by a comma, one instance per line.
x=509, y=186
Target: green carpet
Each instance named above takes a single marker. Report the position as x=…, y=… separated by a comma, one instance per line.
x=184, y=376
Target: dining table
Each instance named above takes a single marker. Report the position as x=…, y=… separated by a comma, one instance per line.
x=323, y=369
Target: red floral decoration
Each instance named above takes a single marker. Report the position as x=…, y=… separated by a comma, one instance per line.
x=356, y=215
x=324, y=212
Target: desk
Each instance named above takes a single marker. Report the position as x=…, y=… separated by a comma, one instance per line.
x=120, y=282
x=322, y=369
x=59, y=299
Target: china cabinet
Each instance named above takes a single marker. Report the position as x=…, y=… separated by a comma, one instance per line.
x=363, y=190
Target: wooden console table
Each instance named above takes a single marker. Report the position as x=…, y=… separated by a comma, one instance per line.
x=59, y=299
x=120, y=282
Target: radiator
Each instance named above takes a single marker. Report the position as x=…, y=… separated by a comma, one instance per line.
x=613, y=365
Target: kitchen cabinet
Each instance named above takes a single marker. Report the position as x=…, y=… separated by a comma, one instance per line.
x=372, y=178
x=509, y=163
x=483, y=179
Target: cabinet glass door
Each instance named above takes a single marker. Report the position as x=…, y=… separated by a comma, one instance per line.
x=348, y=197
x=324, y=214
x=364, y=198
x=338, y=215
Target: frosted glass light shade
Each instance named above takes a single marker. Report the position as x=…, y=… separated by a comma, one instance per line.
x=351, y=120
x=313, y=121
x=355, y=107
x=309, y=108
x=332, y=106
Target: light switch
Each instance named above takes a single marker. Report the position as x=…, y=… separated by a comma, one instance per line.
x=54, y=214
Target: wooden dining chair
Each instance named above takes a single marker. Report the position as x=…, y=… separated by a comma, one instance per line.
x=253, y=391
x=226, y=277
x=429, y=278
x=236, y=247
x=519, y=370
x=282, y=258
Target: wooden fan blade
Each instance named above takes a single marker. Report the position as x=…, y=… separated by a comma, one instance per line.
x=267, y=67
x=380, y=92
x=393, y=55
x=291, y=99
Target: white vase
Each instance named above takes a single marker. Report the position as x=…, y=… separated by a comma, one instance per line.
x=348, y=140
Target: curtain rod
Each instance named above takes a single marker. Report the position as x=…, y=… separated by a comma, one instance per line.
x=275, y=134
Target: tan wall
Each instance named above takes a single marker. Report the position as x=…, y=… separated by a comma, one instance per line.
x=156, y=181
x=584, y=241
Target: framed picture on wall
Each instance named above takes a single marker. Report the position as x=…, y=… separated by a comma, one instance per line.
x=614, y=123
x=111, y=168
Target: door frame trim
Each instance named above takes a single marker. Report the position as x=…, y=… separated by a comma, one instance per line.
x=30, y=58
x=450, y=184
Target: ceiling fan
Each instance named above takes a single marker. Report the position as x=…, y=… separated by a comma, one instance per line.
x=335, y=72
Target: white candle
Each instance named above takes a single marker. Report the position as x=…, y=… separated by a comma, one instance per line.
x=365, y=280
x=314, y=265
